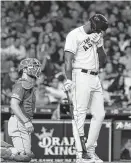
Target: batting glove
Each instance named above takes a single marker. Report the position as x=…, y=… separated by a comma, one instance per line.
x=68, y=85
x=95, y=37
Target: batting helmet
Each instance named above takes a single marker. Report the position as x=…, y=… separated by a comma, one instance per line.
x=98, y=23
x=32, y=65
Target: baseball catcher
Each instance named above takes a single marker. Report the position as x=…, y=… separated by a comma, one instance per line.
x=23, y=97
x=84, y=54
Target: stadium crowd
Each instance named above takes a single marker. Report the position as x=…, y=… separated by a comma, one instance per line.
x=39, y=28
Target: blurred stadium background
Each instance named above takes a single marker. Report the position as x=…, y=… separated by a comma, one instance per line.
x=38, y=29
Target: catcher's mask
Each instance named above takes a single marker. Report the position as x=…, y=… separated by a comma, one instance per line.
x=99, y=23
x=32, y=65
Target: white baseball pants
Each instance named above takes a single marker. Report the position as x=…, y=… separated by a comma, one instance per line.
x=87, y=94
x=20, y=137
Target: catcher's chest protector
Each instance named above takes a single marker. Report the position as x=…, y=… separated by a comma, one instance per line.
x=27, y=97
x=28, y=103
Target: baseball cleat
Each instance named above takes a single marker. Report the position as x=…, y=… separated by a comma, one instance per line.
x=84, y=158
x=87, y=157
x=94, y=157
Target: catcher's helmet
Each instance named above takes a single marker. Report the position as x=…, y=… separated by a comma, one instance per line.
x=98, y=23
x=33, y=67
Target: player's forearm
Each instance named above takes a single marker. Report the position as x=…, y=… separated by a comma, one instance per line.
x=17, y=111
x=68, y=70
x=68, y=74
x=68, y=65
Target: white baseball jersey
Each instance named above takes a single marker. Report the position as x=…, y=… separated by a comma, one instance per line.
x=86, y=91
x=79, y=43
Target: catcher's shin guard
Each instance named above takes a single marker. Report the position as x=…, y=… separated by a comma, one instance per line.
x=5, y=145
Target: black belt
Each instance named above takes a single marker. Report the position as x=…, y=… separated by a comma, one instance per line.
x=91, y=72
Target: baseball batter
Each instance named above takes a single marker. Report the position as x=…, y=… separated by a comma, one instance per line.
x=23, y=105
x=84, y=53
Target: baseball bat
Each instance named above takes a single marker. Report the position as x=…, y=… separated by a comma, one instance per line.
x=74, y=126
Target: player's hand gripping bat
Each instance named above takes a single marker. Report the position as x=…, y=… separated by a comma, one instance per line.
x=74, y=125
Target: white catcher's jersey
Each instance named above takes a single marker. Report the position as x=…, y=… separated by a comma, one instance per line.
x=85, y=51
